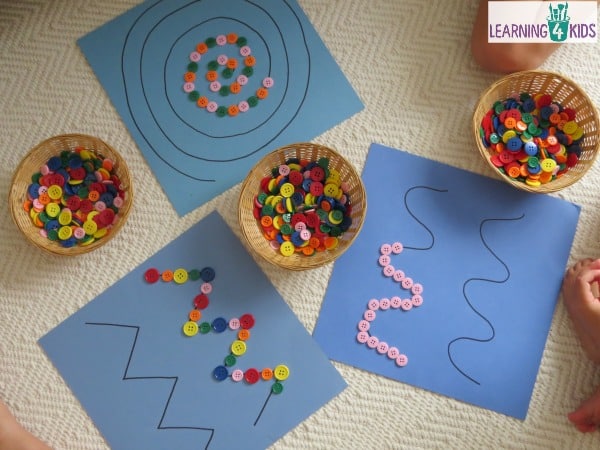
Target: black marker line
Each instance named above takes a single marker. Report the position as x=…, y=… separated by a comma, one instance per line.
x=263, y=407
x=415, y=217
x=485, y=319
x=174, y=379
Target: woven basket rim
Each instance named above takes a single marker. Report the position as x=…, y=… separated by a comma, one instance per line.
x=38, y=154
x=252, y=235
x=573, y=174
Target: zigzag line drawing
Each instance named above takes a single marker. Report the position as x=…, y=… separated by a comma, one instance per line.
x=174, y=379
x=489, y=280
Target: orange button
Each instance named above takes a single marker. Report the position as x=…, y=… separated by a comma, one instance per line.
x=250, y=61
x=266, y=374
x=212, y=75
x=232, y=63
x=262, y=93
x=94, y=196
x=235, y=87
x=510, y=123
x=266, y=221
x=201, y=48
x=167, y=275
x=195, y=315
x=243, y=335
x=233, y=110
x=189, y=77
x=202, y=102
x=232, y=38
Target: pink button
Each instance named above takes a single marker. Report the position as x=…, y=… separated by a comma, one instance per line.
x=384, y=304
x=284, y=170
x=79, y=233
x=118, y=202
x=417, y=289
x=37, y=204
x=382, y=348
x=362, y=337
x=234, y=323
x=195, y=56
x=221, y=39
x=212, y=107
x=242, y=80
x=384, y=260
x=407, y=283
x=300, y=226
x=206, y=288
x=268, y=82
x=364, y=325
x=305, y=234
x=245, y=51
x=417, y=300
x=389, y=270
x=369, y=315
x=372, y=342
x=188, y=87
x=43, y=190
x=373, y=304
x=214, y=86
x=222, y=59
x=397, y=248
x=99, y=206
x=385, y=249
x=398, y=276
x=237, y=375
x=243, y=106
x=402, y=360
x=393, y=353
x=395, y=302
x=406, y=305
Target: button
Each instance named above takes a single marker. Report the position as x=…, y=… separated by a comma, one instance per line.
x=277, y=388
x=393, y=353
x=237, y=375
x=190, y=328
x=230, y=361
x=372, y=342
x=207, y=274
x=167, y=275
x=234, y=323
x=247, y=321
x=287, y=248
x=245, y=51
x=266, y=374
x=180, y=276
x=281, y=372
x=205, y=328
x=251, y=376
x=417, y=300
x=384, y=260
x=373, y=304
x=406, y=305
x=362, y=337
x=268, y=82
x=369, y=315
x=402, y=360
x=398, y=276
x=243, y=335
x=382, y=348
x=201, y=301
x=219, y=325
x=417, y=289
x=206, y=288
x=151, y=275
x=395, y=302
x=364, y=325
x=397, y=248
x=238, y=348
x=384, y=304
x=195, y=315
x=220, y=373
x=407, y=283
x=389, y=270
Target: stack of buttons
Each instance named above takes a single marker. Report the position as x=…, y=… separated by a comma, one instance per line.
x=533, y=138
x=304, y=207
x=75, y=197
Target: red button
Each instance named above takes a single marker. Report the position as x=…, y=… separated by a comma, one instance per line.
x=151, y=275
x=201, y=301
x=251, y=376
x=247, y=321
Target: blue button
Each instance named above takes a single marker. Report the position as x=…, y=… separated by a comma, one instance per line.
x=54, y=163
x=33, y=190
x=531, y=149
x=219, y=325
x=220, y=373
x=514, y=144
x=207, y=274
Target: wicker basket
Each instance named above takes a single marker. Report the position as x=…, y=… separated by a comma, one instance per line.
x=251, y=229
x=563, y=91
x=31, y=164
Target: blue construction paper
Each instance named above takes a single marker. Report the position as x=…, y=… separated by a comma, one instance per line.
x=148, y=386
x=141, y=57
x=490, y=259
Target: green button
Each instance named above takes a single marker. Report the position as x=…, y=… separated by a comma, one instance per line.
x=252, y=101
x=193, y=67
x=230, y=360
x=205, y=328
x=221, y=111
x=286, y=229
x=213, y=65
x=194, y=96
x=227, y=73
x=241, y=41
x=248, y=71
x=277, y=388
x=194, y=274
x=210, y=42
x=224, y=91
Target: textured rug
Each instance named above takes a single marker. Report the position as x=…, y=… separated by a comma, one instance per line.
x=410, y=64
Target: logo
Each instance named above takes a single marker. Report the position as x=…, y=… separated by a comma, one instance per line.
x=542, y=22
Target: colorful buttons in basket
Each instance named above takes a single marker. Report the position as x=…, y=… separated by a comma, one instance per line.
x=533, y=138
x=303, y=207
x=79, y=189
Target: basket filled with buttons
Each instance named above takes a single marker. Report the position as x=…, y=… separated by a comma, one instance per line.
x=301, y=206
x=71, y=194
x=537, y=130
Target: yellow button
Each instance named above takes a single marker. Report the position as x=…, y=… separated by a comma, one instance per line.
x=281, y=372
x=65, y=233
x=548, y=165
x=331, y=190
x=52, y=209
x=55, y=192
x=180, y=276
x=190, y=328
x=287, y=248
x=238, y=348
x=65, y=217
x=287, y=189
x=90, y=227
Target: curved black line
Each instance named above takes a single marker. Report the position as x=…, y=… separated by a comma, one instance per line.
x=174, y=379
x=263, y=407
x=154, y=150
x=415, y=217
x=485, y=319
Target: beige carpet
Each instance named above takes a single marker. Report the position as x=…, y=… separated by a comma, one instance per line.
x=409, y=61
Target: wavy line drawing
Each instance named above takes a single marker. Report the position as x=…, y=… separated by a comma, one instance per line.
x=415, y=217
x=488, y=280
x=174, y=379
